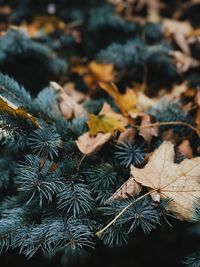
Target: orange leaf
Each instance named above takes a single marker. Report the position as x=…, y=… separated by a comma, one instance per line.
x=125, y=102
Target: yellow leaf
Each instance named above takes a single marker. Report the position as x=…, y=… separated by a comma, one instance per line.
x=7, y=107
x=88, y=144
x=101, y=71
x=179, y=182
x=124, y=102
x=106, y=122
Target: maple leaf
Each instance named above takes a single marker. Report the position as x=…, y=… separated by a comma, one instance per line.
x=125, y=102
x=88, y=144
x=129, y=188
x=179, y=182
x=107, y=121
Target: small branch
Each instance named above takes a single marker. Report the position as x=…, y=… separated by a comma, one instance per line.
x=80, y=162
x=167, y=124
x=122, y=211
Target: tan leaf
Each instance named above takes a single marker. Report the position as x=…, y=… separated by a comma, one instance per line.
x=185, y=149
x=148, y=132
x=180, y=182
x=129, y=189
x=71, y=91
x=127, y=135
x=184, y=62
x=145, y=102
x=174, y=26
x=68, y=106
x=89, y=145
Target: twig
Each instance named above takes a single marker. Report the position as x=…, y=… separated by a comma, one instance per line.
x=122, y=211
x=80, y=162
x=168, y=123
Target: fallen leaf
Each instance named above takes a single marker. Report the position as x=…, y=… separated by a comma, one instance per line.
x=125, y=102
x=101, y=71
x=94, y=72
x=89, y=145
x=148, y=132
x=178, y=31
x=177, y=91
x=185, y=149
x=145, y=102
x=107, y=121
x=129, y=189
x=127, y=135
x=197, y=98
x=9, y=108
x=183, y=62
x=43, y=24
x=71, y=91
x=67, y=105
x=179, y=182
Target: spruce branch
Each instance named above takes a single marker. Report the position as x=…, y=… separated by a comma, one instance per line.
x=122, y=212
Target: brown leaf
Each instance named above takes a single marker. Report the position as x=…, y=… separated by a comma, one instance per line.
x=71, y=91
x=148, y=132
x=185, y=149
x=184, y=62
x=127, y=135
x=89, y=145
x=67, y=105
x=129, y=189
x=180, y=182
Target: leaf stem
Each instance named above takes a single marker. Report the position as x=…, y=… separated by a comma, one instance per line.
x=80, y=162
x=121, y=212
x=168, y=123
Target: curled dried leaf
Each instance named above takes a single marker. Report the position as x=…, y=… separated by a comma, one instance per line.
x=130, y=188
x=67, y=105
x=89, y=145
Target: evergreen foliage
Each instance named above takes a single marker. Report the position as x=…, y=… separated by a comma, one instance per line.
x=53, y=199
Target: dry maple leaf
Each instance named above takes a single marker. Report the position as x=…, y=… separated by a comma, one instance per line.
x=125, y=102
x=88, y=144
x=129, y=188
x=180, y=182
x=107, y=121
